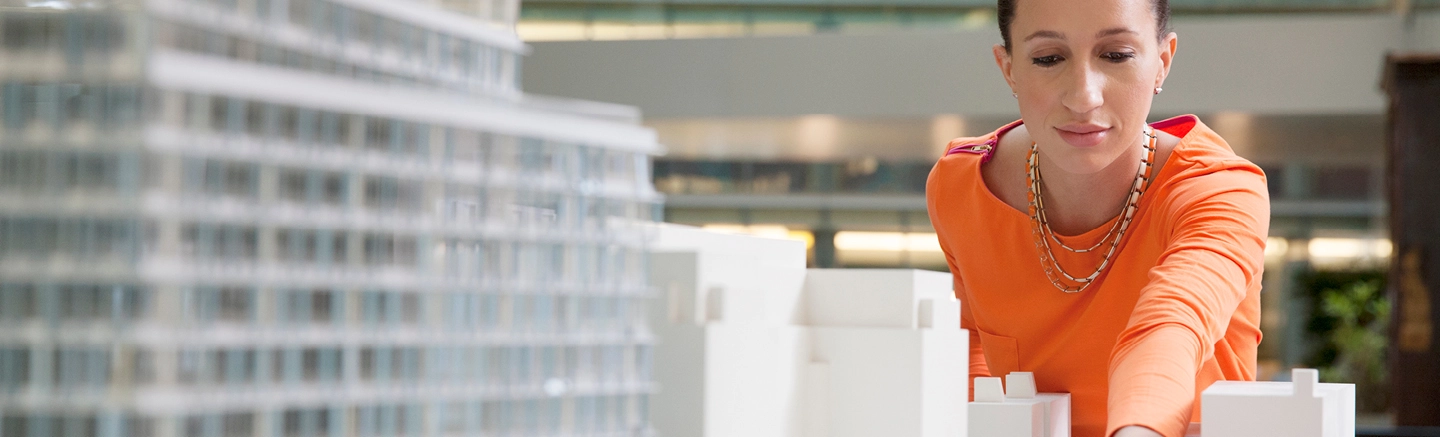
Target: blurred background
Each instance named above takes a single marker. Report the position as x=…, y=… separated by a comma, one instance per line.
x=820, y=120
x=239, y=202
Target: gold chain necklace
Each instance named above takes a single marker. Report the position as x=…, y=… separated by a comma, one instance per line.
x=1040, y=224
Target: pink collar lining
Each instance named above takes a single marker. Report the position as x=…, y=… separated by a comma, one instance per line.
x=1178, y=126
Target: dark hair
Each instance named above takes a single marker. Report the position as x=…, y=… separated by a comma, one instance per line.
x=1005, y=9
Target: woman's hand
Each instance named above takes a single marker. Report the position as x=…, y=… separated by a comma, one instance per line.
x=1136, y=431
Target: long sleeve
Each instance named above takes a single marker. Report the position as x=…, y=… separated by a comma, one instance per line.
x=1214, y=258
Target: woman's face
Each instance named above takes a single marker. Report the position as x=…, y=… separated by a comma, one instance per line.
x=1085, y=72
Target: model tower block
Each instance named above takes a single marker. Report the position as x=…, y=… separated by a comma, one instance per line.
x=751, y=343
x=1304, y=407
x=1017, y=410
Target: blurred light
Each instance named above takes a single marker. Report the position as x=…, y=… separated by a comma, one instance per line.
x=1238, y=129
x=979, y=19
x=51, y=4
x=945, y=127
x=818, y=134
x=551, y=31
x=707, y=30
x=887, y=241
x=1276, y=248
x=1323, y=249
x=779, y=232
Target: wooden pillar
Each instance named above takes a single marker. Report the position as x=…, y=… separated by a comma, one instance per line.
x=1413, y=85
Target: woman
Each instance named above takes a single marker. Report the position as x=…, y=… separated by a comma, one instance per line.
x=1119, y=261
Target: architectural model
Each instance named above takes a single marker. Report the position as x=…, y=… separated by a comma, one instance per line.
x=1014, y=409
x=317, y=218
x=750, y=343
x=1303, y=407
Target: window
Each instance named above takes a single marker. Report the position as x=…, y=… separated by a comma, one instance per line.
x=22, y=170
x=300, y=13
x=224, y=304
x=237, y=424
x=142, y=366
x=338, y=245
x=222, y=178
x=392, y=194
x=80, y=238
x=236, y=366
x=14, y=369
x=298, y=125
x=286, y=123
x=75, y=368
x=366, y=27
x=330, y=129
x=445, y=52
x=378, y=134
x=296, y=245
x=310, y=364
x=309, y=306
x=17, y=302
x=419, y=140
x=191, y=366
x=219, y=107
x=320, y=20
x=292, y=186
x=306, y=422
x=262, y=10
x=32, y=31
x=235, y=304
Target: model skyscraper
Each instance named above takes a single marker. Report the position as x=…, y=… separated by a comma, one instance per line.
x=311, y=218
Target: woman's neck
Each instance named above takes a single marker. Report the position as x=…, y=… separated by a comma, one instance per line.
x=1076, y=203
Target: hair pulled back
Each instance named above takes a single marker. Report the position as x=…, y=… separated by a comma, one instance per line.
x=1005, y=10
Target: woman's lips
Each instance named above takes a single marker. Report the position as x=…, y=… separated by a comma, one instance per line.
x=1086, y=136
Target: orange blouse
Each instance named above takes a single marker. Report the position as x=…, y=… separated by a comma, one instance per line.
x=1178, y=308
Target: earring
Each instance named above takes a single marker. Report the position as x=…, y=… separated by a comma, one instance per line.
x=1015, y=95
x=1158, y=90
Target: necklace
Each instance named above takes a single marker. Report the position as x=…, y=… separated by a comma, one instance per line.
x=1040, y=224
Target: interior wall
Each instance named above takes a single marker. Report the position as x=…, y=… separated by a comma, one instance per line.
x=1261, y=64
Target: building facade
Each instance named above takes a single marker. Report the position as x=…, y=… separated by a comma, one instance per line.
x=329, y=218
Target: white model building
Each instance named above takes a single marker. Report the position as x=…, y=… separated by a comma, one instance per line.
x=750, y=343
x=1016, y=409
x=236, y=218
x=1303, y=407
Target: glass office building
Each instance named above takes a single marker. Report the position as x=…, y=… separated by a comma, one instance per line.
x=228, y=218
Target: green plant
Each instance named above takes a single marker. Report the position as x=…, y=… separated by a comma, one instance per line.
x=1361, y=342
x=1349, y=317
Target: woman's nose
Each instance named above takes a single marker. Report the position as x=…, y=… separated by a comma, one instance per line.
x=1085, y=90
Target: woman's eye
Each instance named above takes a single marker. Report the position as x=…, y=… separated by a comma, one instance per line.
x=1118, y=57
x=1046, y=61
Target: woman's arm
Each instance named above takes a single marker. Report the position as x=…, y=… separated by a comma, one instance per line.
x=1214, y=257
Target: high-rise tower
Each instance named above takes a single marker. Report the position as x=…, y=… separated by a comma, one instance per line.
x=277, y=218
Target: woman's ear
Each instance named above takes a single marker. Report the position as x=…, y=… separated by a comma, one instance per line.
x=1002, y=60
x=1167, y=56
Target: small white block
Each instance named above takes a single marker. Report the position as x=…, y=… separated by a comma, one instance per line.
x=1020, y=385
x=989, y=389
x=1020, y=411
x=1019, y=418
x=1305, y=381
x=1300, y=408
x=1057, y=413
x=925, y=314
